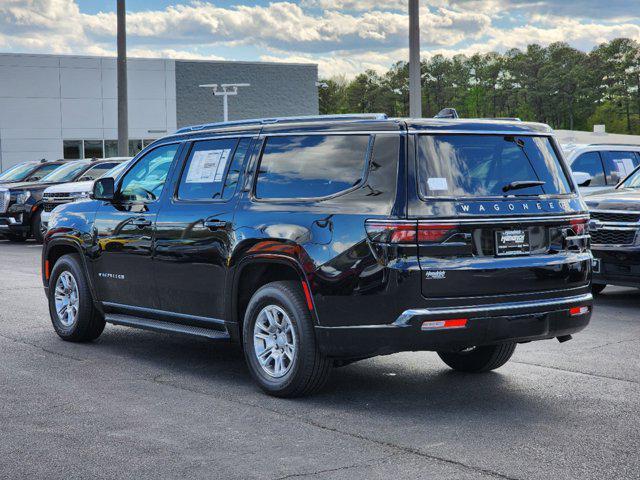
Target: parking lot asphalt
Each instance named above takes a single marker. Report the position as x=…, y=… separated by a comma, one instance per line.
x=138, y=404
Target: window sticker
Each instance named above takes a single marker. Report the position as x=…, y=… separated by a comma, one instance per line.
x=624, y=166
x=208, y=166
x=437, y=183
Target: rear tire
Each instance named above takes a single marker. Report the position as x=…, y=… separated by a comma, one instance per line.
x=279, y=342
x=479, y=359
x=36, y=227
x=80, y=321
x=597, y=288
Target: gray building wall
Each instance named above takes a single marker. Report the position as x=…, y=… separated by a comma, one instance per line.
x=276, y=90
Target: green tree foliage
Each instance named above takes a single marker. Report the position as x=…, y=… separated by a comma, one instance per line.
x=558, y=85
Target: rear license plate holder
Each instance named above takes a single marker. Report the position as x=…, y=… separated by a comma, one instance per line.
x=511, y=242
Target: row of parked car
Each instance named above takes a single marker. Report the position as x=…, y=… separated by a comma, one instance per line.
x=31, y=190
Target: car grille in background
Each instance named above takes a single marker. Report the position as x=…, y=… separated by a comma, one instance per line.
x=48, y=207
x=5, y=198
x=615, y=216
x=613, y=237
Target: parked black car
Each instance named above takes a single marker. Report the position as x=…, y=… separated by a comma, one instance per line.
x=614, y=227
x=21, y=202
x=321, y=241
x=29, y=171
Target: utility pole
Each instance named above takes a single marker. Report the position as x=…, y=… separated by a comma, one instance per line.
x=415, y=81
x=228, y=90
x=123, y=112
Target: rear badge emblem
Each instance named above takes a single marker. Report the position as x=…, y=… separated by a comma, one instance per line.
x=436, y=275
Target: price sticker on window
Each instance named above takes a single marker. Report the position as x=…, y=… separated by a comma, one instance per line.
x=208, y=166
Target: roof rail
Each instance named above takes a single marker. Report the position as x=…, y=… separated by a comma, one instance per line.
x=267, y=121
x=611, y=144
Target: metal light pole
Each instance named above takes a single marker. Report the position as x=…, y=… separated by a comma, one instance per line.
x=415, y=84
x=123, y=114
x=227, y=90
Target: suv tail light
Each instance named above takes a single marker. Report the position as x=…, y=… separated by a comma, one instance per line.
x=579, y=225
x=403, y=232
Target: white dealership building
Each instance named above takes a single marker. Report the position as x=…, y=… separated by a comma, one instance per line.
x=59, y=106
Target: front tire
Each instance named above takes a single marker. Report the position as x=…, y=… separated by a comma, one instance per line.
x=73, y=314
x=479, y=359
x=279, y=342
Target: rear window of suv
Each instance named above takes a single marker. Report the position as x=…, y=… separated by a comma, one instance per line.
x=488, y=166
x=311, y=166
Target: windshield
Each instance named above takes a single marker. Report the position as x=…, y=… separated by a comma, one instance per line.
x=632, y=181
x=17, y=172
x=488, y=166
x=65, y=173
x=97, y=171
x=115, y=171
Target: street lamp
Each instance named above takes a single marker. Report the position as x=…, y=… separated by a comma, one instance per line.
x=415, y=87
x=225, y=91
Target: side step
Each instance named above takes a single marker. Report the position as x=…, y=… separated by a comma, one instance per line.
x=165, y=327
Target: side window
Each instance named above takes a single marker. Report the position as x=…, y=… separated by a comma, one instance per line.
x=619, y=165
x=144, y=182
x=203, y=177
x=97, y=171
x=235, y=169
x=311, y=166
x=590, y=163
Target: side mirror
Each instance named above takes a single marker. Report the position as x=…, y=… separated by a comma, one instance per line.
x=582, y=179
x=104, y=189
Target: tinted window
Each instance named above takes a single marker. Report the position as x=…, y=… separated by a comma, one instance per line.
x=590, y=163
x=144, y=182
x=204, y=172
x=619, y=165
x=235, y=169
x=311, y=166
x=72, y=149
x=483, y=165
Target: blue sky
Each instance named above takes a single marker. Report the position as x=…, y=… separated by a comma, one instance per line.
x=343, y=37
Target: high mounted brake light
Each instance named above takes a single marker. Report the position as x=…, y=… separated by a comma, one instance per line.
x=405, y=232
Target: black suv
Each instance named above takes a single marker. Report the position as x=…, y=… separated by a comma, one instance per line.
x=21, y=202
x=321, y=241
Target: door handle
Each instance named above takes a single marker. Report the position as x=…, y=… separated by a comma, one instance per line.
x=214, y=224
x=141, y=222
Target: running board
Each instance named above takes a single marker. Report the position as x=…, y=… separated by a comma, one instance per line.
x=165, y=327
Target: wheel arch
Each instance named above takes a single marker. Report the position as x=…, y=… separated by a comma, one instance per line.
x=255, y=271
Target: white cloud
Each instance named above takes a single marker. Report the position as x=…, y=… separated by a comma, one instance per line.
x=342, y=36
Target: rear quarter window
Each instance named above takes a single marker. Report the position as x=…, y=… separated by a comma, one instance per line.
x=311, y=166
x=483, y=165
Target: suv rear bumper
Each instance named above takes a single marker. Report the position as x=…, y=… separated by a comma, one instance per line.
x=485, y=325
x=13, y=224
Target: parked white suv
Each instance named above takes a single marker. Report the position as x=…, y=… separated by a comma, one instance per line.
x=70, y=192
x=598, y=167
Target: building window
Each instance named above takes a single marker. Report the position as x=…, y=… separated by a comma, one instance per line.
x=148, y=141
x=93, y=149
x=72, y=149
x=110, y=148
x=135, y=147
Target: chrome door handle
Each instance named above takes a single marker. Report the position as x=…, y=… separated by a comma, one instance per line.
x=141, y=222
x=213, y=224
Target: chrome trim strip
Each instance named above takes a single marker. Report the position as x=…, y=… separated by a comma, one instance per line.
x=612, y=227
x=408, y=315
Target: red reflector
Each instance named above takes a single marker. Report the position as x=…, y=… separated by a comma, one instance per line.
x=575, y=311
x=47, y=270
x=444, y=324
x=307, y=296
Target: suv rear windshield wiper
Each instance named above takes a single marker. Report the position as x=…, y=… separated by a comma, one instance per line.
x=517, y=185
